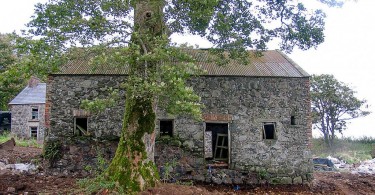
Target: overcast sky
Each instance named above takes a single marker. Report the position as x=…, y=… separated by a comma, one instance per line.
x=347, y=52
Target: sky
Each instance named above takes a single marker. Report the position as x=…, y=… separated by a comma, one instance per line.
x=347, y=53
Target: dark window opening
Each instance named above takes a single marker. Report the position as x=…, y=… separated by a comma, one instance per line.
x=269, y=131
x=5, y=118
x=293, y=120
x=166, y=127
x=34, y=113
x=80, y=126
x=220, y=143
x=34, y=132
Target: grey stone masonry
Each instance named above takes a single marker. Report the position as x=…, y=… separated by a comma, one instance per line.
x=250, y=102
x=245, y=104
x=64, y=96
x=22, y=120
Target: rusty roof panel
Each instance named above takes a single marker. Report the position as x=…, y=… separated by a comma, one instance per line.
x=273, y=63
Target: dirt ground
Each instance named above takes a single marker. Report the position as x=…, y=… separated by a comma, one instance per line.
x=41, y=183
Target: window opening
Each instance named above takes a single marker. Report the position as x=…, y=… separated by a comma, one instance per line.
x=80, y=126
x=219, y=140
x=166, y=127
x=34, y=113
x=293, y=120
x=269, y=131
x=34, y=132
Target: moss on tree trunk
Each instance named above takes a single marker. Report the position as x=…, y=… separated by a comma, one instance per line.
x=131, y=167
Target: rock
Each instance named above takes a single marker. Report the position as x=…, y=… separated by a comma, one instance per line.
x=216, y=180
x=297, y=180
x=281, y=180
x=208, y=179
x=73, y=149
x=2, y=165
x=11, y=190
x=188, y=144
x=199, y=178
x=251, y=179
x=227, y=180
x=8, y=145
x=286, y=180
x=237, y=180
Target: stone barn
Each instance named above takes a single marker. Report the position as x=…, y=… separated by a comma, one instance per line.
x=27, y=110
x=256, y=122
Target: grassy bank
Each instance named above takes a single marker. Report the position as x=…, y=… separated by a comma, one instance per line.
x=20, y=141
x=352, y=150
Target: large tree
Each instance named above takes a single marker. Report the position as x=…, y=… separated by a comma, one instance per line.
x=7, y=59
x=333, y=103
x=21, y=58
x=135, y=34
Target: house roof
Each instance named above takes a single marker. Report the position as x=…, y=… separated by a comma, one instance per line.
x=31, y=95
x=272, y=63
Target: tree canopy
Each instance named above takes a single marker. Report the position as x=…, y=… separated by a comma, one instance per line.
x=135, y=34
x=333, y=104
x=21, y=58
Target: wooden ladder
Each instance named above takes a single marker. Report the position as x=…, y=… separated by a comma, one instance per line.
x=220, y=147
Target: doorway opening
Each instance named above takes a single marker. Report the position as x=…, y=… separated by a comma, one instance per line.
x=219, y=140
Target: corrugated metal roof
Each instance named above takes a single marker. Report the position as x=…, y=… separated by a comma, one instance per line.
x=272, y=63
x=31, y=95
x=82, y=66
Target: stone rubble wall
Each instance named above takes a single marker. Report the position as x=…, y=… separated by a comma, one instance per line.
x=177, y=163
x=21, y=120
x=64, y=96
x=249, y=101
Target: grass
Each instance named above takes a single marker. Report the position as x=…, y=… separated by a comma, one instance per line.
x=23, y=142
x=351, y=150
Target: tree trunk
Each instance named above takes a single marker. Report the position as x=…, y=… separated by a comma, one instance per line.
x=133, y=167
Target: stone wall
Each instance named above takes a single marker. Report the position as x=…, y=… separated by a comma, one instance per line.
x=64, y=96
x=22, y=121
x=250, y=102
x=244, y=103
x=176, y=163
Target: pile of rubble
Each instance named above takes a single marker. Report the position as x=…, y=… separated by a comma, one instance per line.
x=16, y=168
x=6, y=167
x=365, y=167
x=334, y=164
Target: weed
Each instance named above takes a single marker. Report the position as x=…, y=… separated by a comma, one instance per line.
x=99, y=182
x=185, y=183
x=167, y=174
x=52, y=151
x=263, y=174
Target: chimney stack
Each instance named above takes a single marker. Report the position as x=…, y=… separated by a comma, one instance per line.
x=33, y=82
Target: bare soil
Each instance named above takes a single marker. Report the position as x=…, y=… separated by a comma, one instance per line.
x=42, y=183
